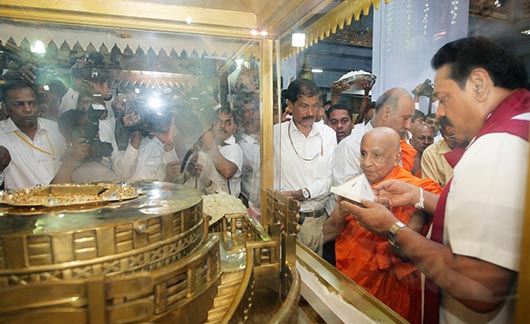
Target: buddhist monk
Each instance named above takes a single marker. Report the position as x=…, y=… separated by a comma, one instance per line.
x=369, y=259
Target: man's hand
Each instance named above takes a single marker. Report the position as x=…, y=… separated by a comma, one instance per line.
x=337, y=87
x=373, y=216
x=393, y=193
x=77, y=152
x=172, y=171
x=207, y=141
x=167, y=138
x=131, y=119
x=5, y=158
x=296, y=195
x=27, y=73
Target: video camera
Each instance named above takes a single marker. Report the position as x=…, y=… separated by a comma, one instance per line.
x=155, y=109
x=91, y=67
x=98, y=149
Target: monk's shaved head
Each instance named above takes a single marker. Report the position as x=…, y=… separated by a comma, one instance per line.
x=422, y=137
x=387, y=136
x=380, y=153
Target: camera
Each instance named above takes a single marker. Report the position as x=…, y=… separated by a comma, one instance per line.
x=98, y=149
x=155, y=110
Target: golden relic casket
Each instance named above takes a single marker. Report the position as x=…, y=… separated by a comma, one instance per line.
x=121, y=253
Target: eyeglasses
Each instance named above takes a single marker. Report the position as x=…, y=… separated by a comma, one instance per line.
x=296, y=152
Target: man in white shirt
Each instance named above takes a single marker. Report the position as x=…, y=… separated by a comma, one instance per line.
x=303, y=160
x=34, y=144
x=223, y=159
x=250, y=145
x=393, y=109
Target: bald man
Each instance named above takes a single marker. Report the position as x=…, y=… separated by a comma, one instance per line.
x=366, y=258
x=422, y=137
x=393, y=109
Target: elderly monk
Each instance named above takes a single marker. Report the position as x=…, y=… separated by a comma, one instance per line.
x=368, y=259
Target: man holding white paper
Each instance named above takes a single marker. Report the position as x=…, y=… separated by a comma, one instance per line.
x=366, y=258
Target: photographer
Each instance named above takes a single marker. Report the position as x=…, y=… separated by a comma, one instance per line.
x=82, y=161
x=149, y=118
x=217, y=160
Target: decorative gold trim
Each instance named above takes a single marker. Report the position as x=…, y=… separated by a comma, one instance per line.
x=326, y=25
x=147, y=16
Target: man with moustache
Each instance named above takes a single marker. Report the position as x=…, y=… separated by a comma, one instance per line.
x=223, y=159
x=31, y=147
x=339, y=119
x=303, y=160
x=474, y=253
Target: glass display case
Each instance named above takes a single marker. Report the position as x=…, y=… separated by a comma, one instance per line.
x=171, y=68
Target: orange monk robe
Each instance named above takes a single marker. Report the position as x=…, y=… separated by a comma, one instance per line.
x=408, y=153
x=368, y=259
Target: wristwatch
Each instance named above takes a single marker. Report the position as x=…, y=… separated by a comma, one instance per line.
x=392, y=231
x=306, y=194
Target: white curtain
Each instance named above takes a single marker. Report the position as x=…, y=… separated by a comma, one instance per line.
x=406, y=35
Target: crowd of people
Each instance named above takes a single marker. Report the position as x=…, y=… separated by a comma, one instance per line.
x=440, y=208
x=449, y=186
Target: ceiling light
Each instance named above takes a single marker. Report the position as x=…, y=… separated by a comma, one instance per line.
x=317, y=70
x=38, y=48
x=254, y=32
x=188, y=20
x=298, y=40
x=264, y=33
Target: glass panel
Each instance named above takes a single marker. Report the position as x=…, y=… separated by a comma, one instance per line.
x=142, y=105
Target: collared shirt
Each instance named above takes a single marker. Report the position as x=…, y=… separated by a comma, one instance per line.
x=233, y=153
x=32, y=161
x=152, y=159
x=304, y=162
x=347, y=157
x=433, y=163
x=250, y=176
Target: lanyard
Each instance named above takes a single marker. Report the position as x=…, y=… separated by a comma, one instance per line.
x=25, y=140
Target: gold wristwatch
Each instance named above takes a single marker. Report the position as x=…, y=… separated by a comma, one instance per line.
x=392, y=231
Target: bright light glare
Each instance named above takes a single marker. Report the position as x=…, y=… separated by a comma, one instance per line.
x=254, y=32
x=526, y=32
x=46, y=87
x=189, y=20
x=264, y=33
x=239, y=61
x=155, y=103
x=298, y=40
x=38, y=48
x=317, y=70
x=137, y=90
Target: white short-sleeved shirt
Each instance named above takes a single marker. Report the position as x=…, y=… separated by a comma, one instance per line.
x=233, y=153
x=250, y=176
x=34, y=161
x=484, y=213
x=152, y=159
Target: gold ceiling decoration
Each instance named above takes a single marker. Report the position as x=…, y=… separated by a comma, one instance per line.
x=328, y=24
